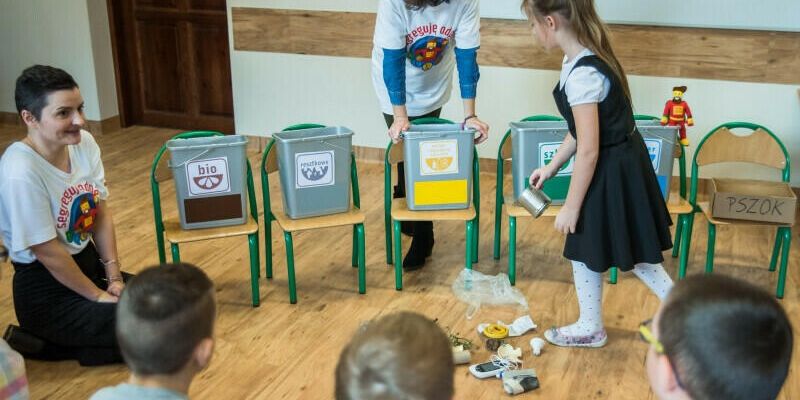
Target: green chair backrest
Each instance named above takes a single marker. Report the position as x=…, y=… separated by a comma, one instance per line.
x=720, y=145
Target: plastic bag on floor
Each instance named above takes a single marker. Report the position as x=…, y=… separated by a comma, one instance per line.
x=475, y=289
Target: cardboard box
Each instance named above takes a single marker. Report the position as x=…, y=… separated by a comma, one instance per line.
x=753, y=200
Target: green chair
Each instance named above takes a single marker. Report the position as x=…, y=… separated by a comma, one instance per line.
x=760, y=147
x=396, y=210
x=354, y=217
x=676, y=204
x=170, y=229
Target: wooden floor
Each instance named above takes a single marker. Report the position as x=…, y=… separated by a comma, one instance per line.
x=283, y=351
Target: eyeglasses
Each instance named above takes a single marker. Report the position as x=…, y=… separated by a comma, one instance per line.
x=646, y=334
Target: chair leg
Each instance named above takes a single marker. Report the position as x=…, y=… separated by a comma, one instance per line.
x=252, y=241
x=475, y=233
x=512, y=250
x=287, y=237
x=268, y=247
x=354, y=262
x=786, y=244
x=687, y=241
x=398, y=254
x=712, y=239
x=676, y=244
x=387, y=222
x=612, y=276
x=176, y=253
x=162, y=257
x=469, y=244
x=776, y=249
x=362, y=267
x=498, y=220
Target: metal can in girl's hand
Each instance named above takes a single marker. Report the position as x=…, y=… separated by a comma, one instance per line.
x=534, y=200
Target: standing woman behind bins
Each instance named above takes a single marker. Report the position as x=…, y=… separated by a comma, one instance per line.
x=614, y=214
x=417, y=44
x=56, y=222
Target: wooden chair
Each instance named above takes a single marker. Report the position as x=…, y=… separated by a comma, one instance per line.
x=677, y=204
x=170, y=228
x=354, y=217
x=396, y=210
x=760, y=147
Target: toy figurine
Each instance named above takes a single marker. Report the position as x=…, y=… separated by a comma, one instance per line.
x=677, y=113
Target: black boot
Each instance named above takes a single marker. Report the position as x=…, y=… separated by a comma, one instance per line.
x=421, y=246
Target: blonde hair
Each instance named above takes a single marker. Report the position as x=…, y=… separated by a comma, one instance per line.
x=590, y=30
x=400, y=356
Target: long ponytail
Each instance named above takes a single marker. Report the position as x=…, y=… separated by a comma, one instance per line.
x=587, y=26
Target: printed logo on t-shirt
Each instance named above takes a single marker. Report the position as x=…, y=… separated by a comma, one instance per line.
x=427, y=51
x=78, y=212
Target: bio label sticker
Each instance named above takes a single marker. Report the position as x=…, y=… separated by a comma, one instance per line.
x=208, y=176
x=314, y=169
x=438, y=157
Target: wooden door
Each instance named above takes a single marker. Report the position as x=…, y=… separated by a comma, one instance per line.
x=173, y=63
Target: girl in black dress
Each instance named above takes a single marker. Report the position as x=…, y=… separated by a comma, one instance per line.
x=614, y=214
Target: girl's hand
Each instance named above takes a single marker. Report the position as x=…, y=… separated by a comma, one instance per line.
x=115, y=288
x=400, y=125
x=480, y=126
x=106, y=297
x=539, y=175
x=566, y=219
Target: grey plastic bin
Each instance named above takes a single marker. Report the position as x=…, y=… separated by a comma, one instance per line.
x=438, y=166
x=535, y=143
x=314, y=168
x=210, y=177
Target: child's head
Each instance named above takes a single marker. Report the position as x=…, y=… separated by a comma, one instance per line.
x=576, y=19
x=720, y=338
x=400, y=356
x=420, y=4
x=165, y=320
x=36, y=83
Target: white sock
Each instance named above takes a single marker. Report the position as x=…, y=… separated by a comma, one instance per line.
x=589, y=288
x=655, y=277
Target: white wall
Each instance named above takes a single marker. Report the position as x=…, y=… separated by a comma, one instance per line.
x=273, y=90
x=70, y=34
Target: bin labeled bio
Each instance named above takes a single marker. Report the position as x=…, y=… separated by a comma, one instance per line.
x=314, y=167
x=210, y=177
x=438, y=166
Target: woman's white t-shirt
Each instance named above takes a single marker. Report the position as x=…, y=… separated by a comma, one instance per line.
x=429, y=37
x=39, y=202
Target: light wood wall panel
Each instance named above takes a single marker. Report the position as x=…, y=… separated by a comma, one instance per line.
x=718, y=54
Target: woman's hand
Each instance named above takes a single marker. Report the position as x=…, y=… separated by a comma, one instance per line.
x=106, y=297
x=115, y=288
x=400, y=125
x=539, y=175
x=566, y=219
x=480, y=126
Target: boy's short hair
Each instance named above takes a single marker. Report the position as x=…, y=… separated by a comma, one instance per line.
x=162, y=315
x=400, y=356
x=36, y=83
x=727, y=338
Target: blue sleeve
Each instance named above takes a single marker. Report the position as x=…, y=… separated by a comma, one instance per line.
x=468, y=74
x=394, y=75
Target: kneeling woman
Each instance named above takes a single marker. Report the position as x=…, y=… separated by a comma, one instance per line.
x=58, y=228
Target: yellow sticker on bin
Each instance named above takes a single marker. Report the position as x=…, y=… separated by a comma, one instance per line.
x=440, y=192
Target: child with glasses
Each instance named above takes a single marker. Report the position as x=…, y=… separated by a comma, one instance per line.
x=716, y=337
